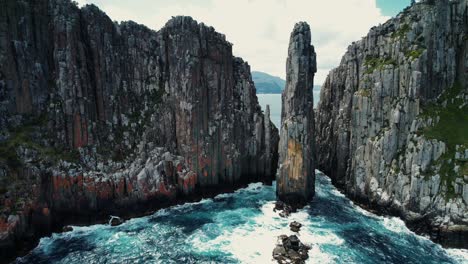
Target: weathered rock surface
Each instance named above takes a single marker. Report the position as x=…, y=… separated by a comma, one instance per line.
x=296, y=178
x=290, y=250
x=295, y=226
x=101, y=118
x=67, y=229
x=385, y=125
x=284, y=209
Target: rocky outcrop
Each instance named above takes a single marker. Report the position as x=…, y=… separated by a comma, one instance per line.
x=295, y=226
x=391, y=124
x=296, y=178
x=101, y=118
x=115, y=221
x=289, y=249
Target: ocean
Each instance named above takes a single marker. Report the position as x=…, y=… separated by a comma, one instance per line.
x=241, y=227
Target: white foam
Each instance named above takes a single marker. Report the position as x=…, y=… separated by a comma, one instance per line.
x=253, y=186
x=337, y=193
x=254, y=241
x=460, y=255
x=395, y=224
x=85, y=229
x=115, y=237
x=224, y=195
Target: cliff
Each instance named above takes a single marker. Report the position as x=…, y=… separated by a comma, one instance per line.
x=102, y=118
x=296, y=178
x=391, y=125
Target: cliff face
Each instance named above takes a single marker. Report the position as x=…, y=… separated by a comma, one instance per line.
x=102, y=118
x=296, y=177
x=392, y=120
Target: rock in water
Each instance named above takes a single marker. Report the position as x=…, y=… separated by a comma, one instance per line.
x=295, y=181
x=290, y=250
x=67, y=229
x=115, y=221
x=284, y=209
x=295, y=226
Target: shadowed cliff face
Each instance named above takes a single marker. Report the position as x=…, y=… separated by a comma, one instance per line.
x=98, y=117
x=390, y=124
x=295, y=181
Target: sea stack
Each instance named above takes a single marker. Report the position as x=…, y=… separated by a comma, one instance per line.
x=295, y=181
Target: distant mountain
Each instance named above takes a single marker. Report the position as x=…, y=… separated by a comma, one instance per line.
x=269, y=84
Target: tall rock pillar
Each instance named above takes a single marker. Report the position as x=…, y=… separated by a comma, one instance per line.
x=296, y=178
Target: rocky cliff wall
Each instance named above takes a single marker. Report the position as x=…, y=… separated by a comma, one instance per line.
x=391, y=125
x=98, y=117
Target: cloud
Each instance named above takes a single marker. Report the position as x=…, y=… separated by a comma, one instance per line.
x=81, y=2
x=260, y=29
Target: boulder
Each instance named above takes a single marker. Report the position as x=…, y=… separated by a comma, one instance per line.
x=115, y=221
x=67, y=228
x=290, y=250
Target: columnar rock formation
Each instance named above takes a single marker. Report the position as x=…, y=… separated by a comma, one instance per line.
x=102, y=118
x=391, y=125
x=295, y=181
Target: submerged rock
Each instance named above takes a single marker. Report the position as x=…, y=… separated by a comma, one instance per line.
x=295, y=180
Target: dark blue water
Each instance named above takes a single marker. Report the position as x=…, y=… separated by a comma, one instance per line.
x=242, y=228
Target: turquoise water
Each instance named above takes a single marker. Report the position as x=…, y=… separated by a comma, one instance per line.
x=241, y=227
x=274, y=100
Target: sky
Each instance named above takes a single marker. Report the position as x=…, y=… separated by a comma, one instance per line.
x=260, y=29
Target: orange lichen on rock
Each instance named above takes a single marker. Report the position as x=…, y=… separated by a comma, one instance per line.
x=104, y=190
x=60, y=183
x=179, y=167
x=3, y=225
x=163, y=190
x=204, y=161
x=45, y=211
x=294, y=159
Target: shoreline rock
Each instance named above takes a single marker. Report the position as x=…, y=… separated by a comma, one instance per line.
x=115, y=221
x=67, y=229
